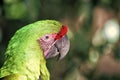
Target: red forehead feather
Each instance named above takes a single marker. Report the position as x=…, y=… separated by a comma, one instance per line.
x=62, y=32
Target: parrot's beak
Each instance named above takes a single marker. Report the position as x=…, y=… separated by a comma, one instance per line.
x=60, y=47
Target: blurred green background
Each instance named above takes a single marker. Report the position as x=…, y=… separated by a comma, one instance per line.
x=94, y=32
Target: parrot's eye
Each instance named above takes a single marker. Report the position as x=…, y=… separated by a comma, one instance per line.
x=47, y=37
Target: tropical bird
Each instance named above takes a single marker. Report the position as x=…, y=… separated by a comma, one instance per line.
x=30, y=46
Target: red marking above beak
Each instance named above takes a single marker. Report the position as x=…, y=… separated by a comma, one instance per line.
x=62, y=32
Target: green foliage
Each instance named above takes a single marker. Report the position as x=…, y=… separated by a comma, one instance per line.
x=20, y=9
x=80, y=46
x=16, y=10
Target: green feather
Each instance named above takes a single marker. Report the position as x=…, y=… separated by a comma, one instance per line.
x=24, y=57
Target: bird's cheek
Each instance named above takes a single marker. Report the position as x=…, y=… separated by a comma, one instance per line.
x=52, y=52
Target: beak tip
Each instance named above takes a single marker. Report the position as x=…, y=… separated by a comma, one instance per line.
x=62, y=56
x=64, y=51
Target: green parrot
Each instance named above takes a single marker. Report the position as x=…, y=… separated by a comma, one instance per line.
x=28, y=49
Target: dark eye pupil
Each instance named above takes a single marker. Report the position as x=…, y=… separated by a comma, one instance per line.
x=46, y=37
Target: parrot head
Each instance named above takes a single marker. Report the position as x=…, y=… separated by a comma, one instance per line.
x=33, y=44
x=55, y=44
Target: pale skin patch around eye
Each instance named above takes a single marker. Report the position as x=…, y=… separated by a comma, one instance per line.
x=46, y=42
x=48, y=37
